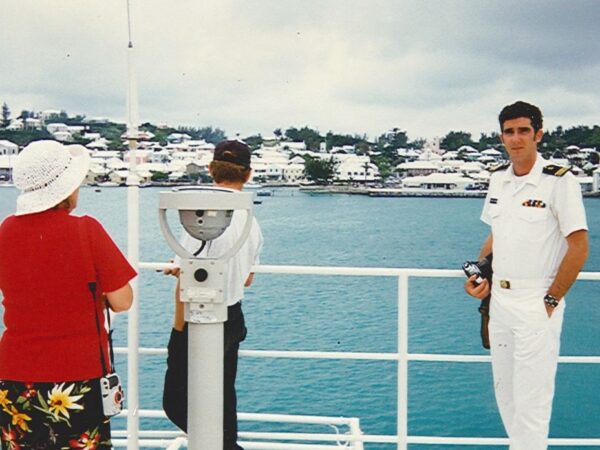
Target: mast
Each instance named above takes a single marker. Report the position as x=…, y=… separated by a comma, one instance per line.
x=133, y=221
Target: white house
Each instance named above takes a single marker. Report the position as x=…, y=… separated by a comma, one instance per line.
x=8, y=148
x=32, y=123
x=63, y=136
x=416, y=168
x=177, y=138
x=55, y=127
x=100, y=144
x=356, y=170
x=294, y=172
x=141, y=156
x=444, y=181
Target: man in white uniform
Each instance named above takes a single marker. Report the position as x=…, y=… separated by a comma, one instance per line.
x=230, y=169
x=539, y=242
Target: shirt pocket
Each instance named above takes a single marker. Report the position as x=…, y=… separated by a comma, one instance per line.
x=534, y=222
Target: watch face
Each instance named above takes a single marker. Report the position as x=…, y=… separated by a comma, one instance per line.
x=550, y=300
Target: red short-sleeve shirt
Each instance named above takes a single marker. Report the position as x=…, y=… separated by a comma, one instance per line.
x=50, y=329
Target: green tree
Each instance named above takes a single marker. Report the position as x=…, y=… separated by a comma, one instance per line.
x=320, y=171
x=385, y=166
x=595, y=137
x=311, y=137
x=254, y=141
x=456, y=139
x=24, y=137
x=159, y=176
x=61, y=117
x=25, y=115
x=488, y=141
x=5, y=115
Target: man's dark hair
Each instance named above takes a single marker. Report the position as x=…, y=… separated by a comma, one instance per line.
x=521, y=109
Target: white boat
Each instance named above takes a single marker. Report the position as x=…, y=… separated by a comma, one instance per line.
x=252, y=185
x=108, y=184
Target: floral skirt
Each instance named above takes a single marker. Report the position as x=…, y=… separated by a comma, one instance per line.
x=53, y=416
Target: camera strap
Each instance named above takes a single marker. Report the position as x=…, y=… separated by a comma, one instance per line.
x=92, y=286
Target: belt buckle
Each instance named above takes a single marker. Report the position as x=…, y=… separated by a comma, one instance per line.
x=505, y=284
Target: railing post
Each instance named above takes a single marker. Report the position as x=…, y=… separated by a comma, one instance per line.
x=402, y=427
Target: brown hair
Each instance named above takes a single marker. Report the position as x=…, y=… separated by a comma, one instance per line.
x=223, y=171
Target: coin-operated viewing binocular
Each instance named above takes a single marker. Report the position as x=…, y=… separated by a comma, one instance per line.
x=205, y=213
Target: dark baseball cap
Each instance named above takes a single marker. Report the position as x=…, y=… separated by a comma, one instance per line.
x=234, y=152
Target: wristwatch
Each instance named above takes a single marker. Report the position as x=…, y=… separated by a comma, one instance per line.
x=550, y=300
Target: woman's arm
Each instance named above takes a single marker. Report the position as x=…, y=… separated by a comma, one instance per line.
x=121, y=299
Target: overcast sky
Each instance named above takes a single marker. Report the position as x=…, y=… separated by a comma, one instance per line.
x=251, y=66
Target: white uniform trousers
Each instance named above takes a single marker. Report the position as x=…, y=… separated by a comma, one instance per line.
x=525, y=344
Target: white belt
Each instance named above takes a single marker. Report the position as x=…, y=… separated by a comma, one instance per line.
x=520, y=283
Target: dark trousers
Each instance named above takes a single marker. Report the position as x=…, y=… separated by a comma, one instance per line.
x=175, y=390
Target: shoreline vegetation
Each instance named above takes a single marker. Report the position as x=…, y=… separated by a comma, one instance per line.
x=389, y=165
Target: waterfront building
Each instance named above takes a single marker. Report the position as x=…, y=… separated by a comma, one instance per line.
x=437, y=181
x=6, y=165
x=417, y=168
x=8, y=148
x=356, y=170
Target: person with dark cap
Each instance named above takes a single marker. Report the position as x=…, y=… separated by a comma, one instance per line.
x=539, y=241
x=230, y=169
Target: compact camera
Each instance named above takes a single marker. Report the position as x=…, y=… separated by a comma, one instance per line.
x=471, y=268
x=482, y=269
x=112, y=394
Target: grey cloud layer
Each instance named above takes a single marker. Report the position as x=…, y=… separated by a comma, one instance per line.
x=350, y=66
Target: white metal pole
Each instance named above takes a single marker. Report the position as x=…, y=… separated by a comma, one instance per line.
x=402, y=361
x=205, y=386
x=133, y=222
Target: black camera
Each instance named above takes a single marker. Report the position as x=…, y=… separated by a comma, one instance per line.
x=482, y=269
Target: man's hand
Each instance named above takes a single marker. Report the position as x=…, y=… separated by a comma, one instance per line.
x=549, y=309
x=172, y=271
x=480, y=291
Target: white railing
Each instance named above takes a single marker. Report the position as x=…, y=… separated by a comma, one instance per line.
x=353, y=438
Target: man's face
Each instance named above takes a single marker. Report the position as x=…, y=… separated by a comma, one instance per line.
x=520, y=140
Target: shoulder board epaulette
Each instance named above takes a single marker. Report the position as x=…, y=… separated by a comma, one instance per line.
x=556, y=170
x=499, y=167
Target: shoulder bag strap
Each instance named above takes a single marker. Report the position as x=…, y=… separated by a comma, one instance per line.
x=92, y=286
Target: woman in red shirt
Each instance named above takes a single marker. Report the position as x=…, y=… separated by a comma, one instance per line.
x=54, y=348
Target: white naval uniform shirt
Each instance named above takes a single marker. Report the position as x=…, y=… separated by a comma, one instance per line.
x=240, y=265
x=530, y=217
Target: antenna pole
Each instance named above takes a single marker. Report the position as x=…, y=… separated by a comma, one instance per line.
x=133, y=221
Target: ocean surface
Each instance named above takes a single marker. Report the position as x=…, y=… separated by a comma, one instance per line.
x=359, y=314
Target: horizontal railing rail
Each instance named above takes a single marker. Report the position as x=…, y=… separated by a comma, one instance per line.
x=402, y=357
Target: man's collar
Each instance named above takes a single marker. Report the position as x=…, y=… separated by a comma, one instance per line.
x=534, y=175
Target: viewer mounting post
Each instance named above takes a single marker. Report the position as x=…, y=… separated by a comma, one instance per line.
x=205, y=213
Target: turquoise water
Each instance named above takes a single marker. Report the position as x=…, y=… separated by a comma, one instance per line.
x=289, y=312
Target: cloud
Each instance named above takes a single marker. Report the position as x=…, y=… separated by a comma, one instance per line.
x=344, y=65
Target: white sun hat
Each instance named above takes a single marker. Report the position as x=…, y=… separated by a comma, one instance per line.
x=47, y=172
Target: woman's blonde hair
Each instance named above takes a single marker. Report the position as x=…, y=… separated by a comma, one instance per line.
x=68, y=203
